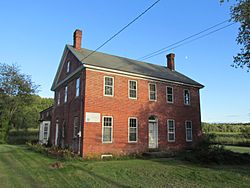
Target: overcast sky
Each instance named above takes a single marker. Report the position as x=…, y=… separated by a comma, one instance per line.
x=33, y=34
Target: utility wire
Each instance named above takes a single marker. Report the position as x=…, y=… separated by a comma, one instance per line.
x=156, y=52
x=202, y=36
x=122, y=29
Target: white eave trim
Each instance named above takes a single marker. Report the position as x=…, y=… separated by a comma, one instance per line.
x=136, y=75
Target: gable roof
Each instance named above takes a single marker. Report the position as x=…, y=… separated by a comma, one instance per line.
x=123, y=64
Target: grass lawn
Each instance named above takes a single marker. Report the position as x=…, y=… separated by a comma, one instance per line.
x=20, y=167
x=238, y=149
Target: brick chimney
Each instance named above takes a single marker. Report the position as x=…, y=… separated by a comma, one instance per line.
x=77, y=38
x=170, y=61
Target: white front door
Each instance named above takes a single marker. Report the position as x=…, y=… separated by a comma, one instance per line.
x=56, y=135
x=152, y=135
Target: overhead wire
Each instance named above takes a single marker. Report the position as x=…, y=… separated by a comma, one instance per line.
x=117, y=33
x=202, y=36
x=180, y=41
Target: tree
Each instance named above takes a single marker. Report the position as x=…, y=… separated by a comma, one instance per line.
x=240, y=12
x=16, y=90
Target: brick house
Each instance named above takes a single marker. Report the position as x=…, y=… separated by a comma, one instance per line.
x=105, y=104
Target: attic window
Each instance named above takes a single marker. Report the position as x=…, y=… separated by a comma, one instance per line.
x=68, y=66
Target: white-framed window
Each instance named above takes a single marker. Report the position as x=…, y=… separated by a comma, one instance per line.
x=152, y=91
x=132, y=89
x=170, y=94
x=45, y=131
x=68, y=66
x=171, y=130
x=65, y=94
x=132, y=129
x=77, y=87
x=108, y=86
x=189, y=134
x=107, y=129
x=58, y=98
x=186, y=97
x=76, y=127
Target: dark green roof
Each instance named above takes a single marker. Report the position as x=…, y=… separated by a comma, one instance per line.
x=131, y=66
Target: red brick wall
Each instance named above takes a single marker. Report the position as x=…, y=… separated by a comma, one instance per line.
x=65, y=112
x=121, y=108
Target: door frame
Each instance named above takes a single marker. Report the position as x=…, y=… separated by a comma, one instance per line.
x=155, y=123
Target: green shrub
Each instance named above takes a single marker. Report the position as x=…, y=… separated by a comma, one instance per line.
x=229, y=139
x=23, y=136
x=54, y=151
x=206, y=153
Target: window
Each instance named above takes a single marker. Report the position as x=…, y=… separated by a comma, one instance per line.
x=170, y=94
x=108, y=86
x=152, y=92
x=76, y=127
x=132, y=89
x=132, y=130
x=66, y=94
x=186, y=97
x=68, y=66
x=58, y=98
x=171, y=130
x=107, y=126
x=189, y=136
x=77, y=87
x=45, y=131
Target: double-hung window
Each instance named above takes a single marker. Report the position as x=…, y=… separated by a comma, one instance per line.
x=171, y=130
x=186, y=97
x=189, y=136
x=45, y=131
x=65, y=94
x=108, y=86
x=132, y=130
x=107, y=129
x=58, y=98
x=132, y=89
x=152, y=92
x=76, y=127
x=68, y=66
x=77, y=87
x=170, y=94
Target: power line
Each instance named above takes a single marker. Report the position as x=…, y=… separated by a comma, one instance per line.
x=122, y=29
x=211, y=32
x=167, y=47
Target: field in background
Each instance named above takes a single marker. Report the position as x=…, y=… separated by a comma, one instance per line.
x=20, y=167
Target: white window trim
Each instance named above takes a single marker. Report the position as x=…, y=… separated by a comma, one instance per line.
x=107, y=142
x=136, y=130
x=149, y=91
x=65, y=94
x=168, y=129
x=78, y=88
x=167, y=94
x=134, y=98
x=113, y=86
x=191, y=131
x=46, y=125
x=184, y=97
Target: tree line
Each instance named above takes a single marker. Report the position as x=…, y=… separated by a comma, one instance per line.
x=19, y=103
